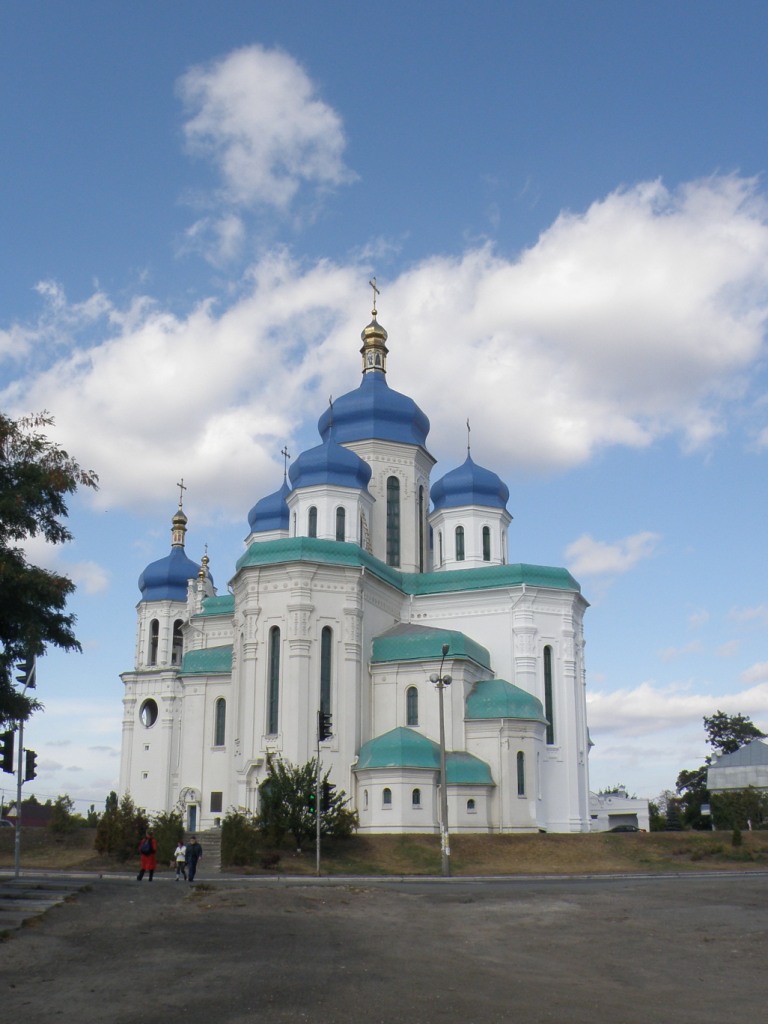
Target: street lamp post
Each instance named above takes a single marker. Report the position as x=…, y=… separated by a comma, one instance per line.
x=441, y=681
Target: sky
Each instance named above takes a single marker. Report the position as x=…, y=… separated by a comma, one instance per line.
x=566, y=210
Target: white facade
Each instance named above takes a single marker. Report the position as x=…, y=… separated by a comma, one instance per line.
x=357, y=626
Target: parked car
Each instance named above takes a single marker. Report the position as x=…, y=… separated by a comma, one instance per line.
x=625, y=828
x=4, y=823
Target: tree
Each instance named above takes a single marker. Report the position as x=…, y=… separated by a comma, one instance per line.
x=36, y=476
x=62, y=819
x=726, y=733
x=288, y=796
x=120, y=828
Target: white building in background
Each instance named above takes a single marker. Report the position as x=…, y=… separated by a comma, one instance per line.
x=356, y=572
x=747, y=766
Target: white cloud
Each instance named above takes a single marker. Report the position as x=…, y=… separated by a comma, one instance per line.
x=589, y=557
x=757, y=614
x=755, y=673
x=255, y=112
x=670, y=653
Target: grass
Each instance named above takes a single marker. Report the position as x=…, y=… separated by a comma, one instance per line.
x=599, y=853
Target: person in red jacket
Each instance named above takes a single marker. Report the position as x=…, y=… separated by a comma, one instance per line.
x=148, y=855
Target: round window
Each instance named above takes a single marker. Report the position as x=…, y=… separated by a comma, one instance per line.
x=148, y=713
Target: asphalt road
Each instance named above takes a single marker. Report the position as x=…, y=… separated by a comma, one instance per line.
x=625, y=951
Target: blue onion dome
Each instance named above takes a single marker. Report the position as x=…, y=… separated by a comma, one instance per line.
x=330, y=463
x=166, y=579
x=469, y=484
x=271, y=513
x=374, y=410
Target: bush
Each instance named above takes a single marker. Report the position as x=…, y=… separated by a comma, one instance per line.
x=240, y=840
x=168, y=828
x=120, y=828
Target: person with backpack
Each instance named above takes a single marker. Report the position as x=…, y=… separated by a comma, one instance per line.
x=147, y=856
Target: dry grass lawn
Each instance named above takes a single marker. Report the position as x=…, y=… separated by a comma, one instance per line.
x=470, y=854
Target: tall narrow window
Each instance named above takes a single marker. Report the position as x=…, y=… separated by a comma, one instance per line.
x=439, y=547
x=416, y=798
x=549, y=710
x=386, y=797
x=411, y=706
x=422, y=520
x=220, y=722
x=486, y=543
x=326, y=642
x=459, y=543
x=340, y=523
x=393, y=521
x=520, y=773
x=154, y=641
x=178, y=643
x=312, y=522
x=273, y=710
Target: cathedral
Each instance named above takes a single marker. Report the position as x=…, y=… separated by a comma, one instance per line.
x=363, y=580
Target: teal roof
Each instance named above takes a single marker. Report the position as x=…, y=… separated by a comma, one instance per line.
x=496, y=698
x=405, y=748
x=224, y=605
x=408, y=642
x=400, y=748
x=209, y=661
x=311, y=549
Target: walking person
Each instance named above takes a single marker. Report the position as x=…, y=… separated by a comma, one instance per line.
x=147, y=855
x=180, y=860
x=194, y=854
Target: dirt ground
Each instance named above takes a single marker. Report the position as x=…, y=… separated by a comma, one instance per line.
x=624, y=951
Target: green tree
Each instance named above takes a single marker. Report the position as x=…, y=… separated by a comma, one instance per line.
x=288, y=796
x=120, y=828
x=726, y=733
x=36, y=476
x=62, y=820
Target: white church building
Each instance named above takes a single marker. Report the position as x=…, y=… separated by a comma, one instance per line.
x=356, y=573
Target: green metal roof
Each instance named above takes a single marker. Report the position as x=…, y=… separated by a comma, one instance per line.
x=310, y=549
x=409, y=642
x=404, y=748
x=496, y=698
x=209, y=661
x=224, y=605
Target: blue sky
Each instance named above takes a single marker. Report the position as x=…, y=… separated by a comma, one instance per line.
x=565, y=206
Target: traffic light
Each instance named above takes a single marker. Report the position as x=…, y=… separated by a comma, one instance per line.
x=326, y=795
x=312, y=802
x=6, y=750
x=324, y=725
x=30, y=765
x=25, y=670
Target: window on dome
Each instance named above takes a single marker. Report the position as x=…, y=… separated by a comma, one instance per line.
x=411, y=706
x=549, y=711
x=219, y=722
x=416, y=798
x=486, y=543
x=340, y=523
x=386, y=797
x=520, y=773
x=312, y=522
x=274, y=680
x=459, y=543
x=154, y=641
x=326, y=643
x=178, y=643
x=393, y=521
x=148, y=713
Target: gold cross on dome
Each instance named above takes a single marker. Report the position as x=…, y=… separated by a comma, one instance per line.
x=182, y=488
x=376, y=292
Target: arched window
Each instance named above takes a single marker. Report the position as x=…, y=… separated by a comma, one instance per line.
x=439, y=547
x=178, y=643
x=393, y=521
x=273, y=710
x=295, y=527
x=386, y=797
x=411, y=706
x=422, y=520
x=416, y=798
x=520, y=773
x=549, y=710
x=486, y=543
x=459, y=543
x=365, y=799
x=220, y=722
x=154, y=641
x=471, y=805
x=312, y=522
x=340, y=523
x=326, y=643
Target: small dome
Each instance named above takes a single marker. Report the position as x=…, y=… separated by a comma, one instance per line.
x=271, y=512
x=399, y=748
x=374, y=410
x=496, y=698
x=330, y=463
x=166, y=579
x=469, y=484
